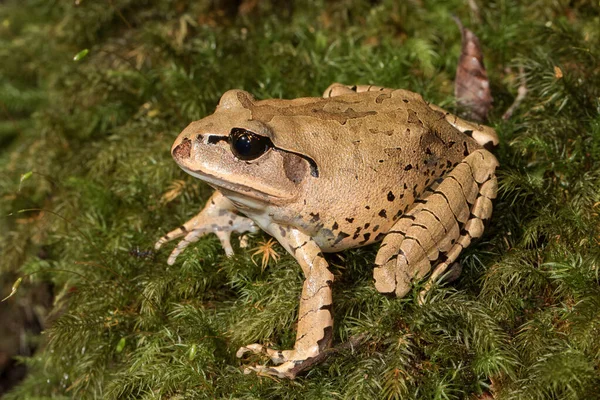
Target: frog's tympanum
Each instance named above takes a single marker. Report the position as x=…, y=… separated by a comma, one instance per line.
x=362, y=164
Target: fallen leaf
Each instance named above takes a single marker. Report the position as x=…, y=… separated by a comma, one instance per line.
x=558, y=72
x=471, y=85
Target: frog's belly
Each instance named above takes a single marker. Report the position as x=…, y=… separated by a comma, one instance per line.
x=344, y=232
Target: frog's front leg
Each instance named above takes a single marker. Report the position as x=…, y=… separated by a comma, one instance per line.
x=315, y=318
x=441, y=224
x=218, y=216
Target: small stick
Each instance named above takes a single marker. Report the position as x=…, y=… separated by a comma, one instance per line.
x=521, y=93
x=352, y=343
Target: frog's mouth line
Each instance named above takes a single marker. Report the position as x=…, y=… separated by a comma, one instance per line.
x=238, y=187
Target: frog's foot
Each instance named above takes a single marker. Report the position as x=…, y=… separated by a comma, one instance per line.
x=484, y=135
x=291, y=362
x=219, y=217
x=442, y=223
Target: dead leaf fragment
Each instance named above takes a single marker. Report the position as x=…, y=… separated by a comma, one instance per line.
x=471, y=85
x=175, y=189
x=267, y=250
x=558, y=72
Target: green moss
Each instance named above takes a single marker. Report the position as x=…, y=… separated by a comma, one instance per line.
x=522, y=321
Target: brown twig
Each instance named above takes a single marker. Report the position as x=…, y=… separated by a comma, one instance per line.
x=521, y=93
x=352, y=343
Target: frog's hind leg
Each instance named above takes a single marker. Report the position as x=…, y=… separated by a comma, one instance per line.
x=315, y=315
x=338, y=89
x=482, y=134
x=442, y=222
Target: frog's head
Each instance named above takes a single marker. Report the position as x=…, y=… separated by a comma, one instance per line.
x=238, y=155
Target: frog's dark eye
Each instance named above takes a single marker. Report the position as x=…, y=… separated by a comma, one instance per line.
x=246, y=145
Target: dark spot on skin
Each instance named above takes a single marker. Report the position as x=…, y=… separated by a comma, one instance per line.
x=368, y=207
x=466, y=152
x=375, y=228
x=341, y=236
x=295, y=167
x=328, y=233
x=350, y=220
x=230, y=222
x=367, y=225
x=183, y=150
x=383, y=213
x=357, y=232
x=380, y=161
x=379, y=99
x=405, y=186
x=413, y=119
x=282, y=231
x=325, y=341
x=451, y=143
x=366, y=237
x=489, y=146
x=335, y=226
x=398, y=215
x=314, y=217
x=379, y=237
x=390, y=196
x=428, y=151
x=468, y=132
x=405, y=100
x=408, y=167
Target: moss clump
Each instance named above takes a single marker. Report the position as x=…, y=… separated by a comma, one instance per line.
x=523, y=320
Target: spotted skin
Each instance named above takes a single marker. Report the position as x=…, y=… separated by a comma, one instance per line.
x=361, y=165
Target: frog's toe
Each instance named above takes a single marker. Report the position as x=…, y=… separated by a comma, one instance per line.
x=288, y=370
x=190, y=238
x=224, y=238
x=277, y=356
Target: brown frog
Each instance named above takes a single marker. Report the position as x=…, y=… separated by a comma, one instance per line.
x=362, y=164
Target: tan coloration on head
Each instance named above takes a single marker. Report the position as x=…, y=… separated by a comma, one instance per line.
x=363, y=164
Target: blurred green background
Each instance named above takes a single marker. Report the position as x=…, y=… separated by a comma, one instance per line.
x=92, y=94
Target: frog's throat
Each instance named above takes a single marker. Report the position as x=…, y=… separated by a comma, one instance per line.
x=239, y=188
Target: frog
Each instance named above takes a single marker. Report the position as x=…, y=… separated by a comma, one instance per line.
x=359, y=165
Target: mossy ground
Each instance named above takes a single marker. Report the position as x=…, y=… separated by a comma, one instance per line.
x=523, y=321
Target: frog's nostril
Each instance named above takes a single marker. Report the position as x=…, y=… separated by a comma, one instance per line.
x=183, y=150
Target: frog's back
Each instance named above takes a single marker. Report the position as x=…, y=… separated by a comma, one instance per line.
x=376, y=153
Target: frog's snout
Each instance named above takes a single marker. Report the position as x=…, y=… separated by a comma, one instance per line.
x=183, y=150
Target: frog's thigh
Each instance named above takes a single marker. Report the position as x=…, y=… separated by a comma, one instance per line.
x=436, y=230
x=315, y=318
x=484, y=135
